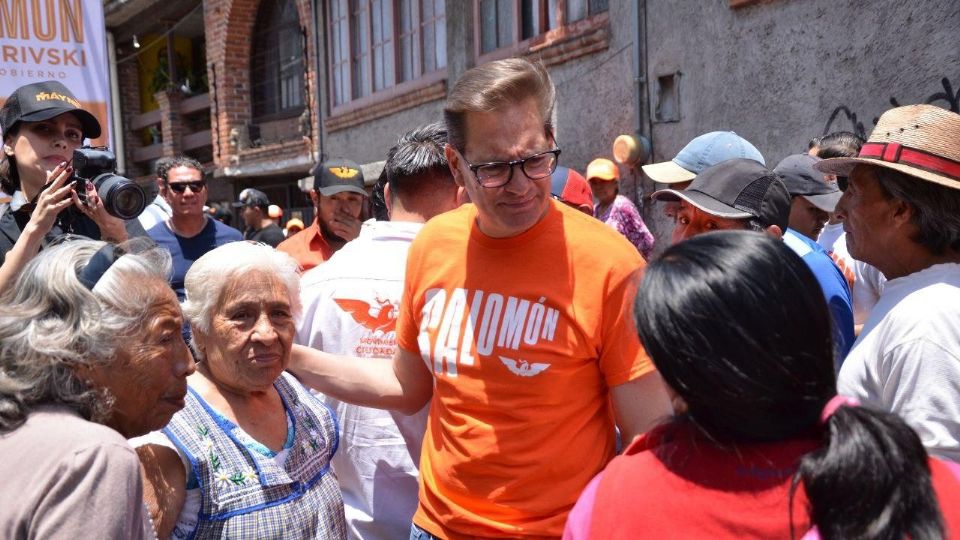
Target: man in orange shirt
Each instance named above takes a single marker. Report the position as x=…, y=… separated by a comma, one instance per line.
x=337, y=195
x=515, y=318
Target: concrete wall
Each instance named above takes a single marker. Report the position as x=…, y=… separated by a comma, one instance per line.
x=777, y=72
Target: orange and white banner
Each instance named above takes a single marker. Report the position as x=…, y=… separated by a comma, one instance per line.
x=60, y=40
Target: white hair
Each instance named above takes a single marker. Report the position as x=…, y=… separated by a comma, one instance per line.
x=50, y=323
x=209, y=275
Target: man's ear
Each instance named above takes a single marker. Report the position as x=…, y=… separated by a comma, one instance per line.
x=774, y=231
x=453, y=160
x=314, y=198
x=902, y=212
x=386, y=197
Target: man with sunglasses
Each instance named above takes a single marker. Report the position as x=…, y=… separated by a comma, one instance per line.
x=515, y=319
x=188, y=233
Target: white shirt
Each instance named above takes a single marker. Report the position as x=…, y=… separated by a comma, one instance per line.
x=829, y=235
x=154, y=213
x=907, y=358
x=868, y=282
x=350, y=307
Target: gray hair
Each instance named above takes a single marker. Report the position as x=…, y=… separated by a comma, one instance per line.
x=50, y=324
x=936, y=208
x=209, y=276
x=494, y=85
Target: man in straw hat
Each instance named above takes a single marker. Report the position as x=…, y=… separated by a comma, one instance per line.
x=901, y=213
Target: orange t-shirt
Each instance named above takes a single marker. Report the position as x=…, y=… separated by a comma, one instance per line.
x=308, y=247
x=524, y=337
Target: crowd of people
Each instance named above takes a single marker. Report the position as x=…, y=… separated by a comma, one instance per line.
x=499, y=352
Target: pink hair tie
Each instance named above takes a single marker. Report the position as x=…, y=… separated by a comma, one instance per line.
x=835, y=403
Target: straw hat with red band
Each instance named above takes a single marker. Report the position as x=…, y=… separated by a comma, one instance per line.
x=922, y=141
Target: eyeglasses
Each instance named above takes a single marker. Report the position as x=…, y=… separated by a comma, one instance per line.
x=499, y=173
x=195, y=187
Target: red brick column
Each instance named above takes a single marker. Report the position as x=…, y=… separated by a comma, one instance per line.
x=170, y=124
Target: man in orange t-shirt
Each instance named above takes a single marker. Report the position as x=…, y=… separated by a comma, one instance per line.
x=515, y=318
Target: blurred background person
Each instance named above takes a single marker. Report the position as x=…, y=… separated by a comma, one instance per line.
x=189, y=232
x=571, y=188
x=761, y=445
x=90, y=354
x=260, y=226
x=249, y=455
x=614, y=209
x=338, y=196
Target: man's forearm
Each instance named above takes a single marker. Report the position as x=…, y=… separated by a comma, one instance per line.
x=369, y=382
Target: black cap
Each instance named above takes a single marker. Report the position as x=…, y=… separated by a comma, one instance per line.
x=802, y=179
x=338, y=175
x=43, y=101
x=252, y=197
x=737, y=189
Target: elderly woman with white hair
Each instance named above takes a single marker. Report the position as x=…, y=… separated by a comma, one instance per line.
x=249, y=455
x=90, y=355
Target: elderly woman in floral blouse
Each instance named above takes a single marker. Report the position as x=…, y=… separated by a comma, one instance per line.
x=249, y=455
x=614, y=209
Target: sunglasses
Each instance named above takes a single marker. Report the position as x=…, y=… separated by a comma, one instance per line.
x=842, y=183
x=195, y=187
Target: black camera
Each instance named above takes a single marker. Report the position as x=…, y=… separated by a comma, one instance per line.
x=121, y=197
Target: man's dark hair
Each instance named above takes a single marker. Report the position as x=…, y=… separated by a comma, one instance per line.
x=837, y=144
x=164, y=165
x=765, y=375
x=418, y=154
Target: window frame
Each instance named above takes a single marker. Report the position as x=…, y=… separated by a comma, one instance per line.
x=396, y=90
x=562, y=31
x=292, y=112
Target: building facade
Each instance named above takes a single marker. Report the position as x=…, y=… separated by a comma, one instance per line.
x=267, y=87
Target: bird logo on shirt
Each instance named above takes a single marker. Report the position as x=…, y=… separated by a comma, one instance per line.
x=522, y=367
x=382, y=317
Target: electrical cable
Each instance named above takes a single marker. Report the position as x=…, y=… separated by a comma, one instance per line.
x=160, y=38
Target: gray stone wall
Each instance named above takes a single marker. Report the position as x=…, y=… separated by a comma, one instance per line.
x=781, y=72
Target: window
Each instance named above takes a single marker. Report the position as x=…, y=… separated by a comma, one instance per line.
x=505, y=22
x=276, y=62
x=378, y=44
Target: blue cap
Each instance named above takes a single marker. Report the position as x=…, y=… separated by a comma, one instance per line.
x=700, y=153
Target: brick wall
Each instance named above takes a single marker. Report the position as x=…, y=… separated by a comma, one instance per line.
x=229, y=25
x=130, y=105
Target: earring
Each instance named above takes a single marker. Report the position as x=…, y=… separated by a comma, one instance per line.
x=7, y=150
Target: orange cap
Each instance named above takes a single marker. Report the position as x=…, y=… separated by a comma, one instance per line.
x=603, y=169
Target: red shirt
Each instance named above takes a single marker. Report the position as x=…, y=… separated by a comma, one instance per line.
x=308, y=247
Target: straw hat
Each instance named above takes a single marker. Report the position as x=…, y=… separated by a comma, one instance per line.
x=922, y=141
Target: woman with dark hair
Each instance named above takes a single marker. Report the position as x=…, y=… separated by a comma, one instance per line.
x=760, y=446
x=42, y=125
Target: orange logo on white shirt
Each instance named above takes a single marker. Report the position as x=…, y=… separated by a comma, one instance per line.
x=385, y=319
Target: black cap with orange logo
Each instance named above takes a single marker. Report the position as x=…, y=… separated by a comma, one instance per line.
x=42, y=101
x=338, y=175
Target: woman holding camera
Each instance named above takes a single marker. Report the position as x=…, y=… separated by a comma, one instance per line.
x=42, y=125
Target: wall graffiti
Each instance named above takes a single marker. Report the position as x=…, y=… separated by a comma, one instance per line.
x=844, y=119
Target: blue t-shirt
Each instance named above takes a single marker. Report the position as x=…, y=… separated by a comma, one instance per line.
x=186, y=250
x=834, y=286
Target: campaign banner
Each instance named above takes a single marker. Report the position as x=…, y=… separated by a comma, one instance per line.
x=57, y=40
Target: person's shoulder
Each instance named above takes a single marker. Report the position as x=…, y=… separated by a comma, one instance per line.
x=594, y=238
x=457, y=218
x=296, y=239
x=159, y=231
x=73, y=433
x=225, y=231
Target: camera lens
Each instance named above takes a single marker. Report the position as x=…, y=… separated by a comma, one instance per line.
x=121, y=197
